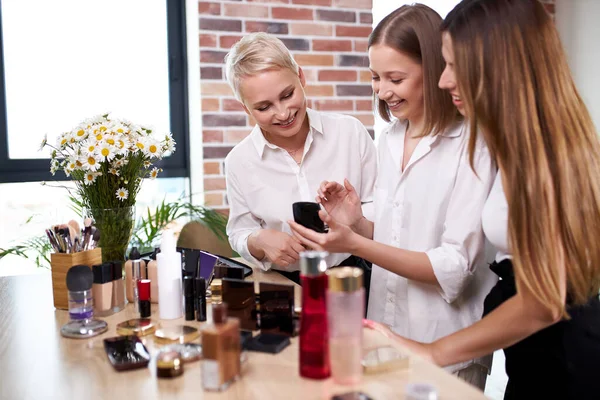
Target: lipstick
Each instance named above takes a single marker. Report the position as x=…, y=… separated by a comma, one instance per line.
x=144, y=297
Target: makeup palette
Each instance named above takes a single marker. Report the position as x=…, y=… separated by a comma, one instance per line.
x=241, y=301
x=276, y=305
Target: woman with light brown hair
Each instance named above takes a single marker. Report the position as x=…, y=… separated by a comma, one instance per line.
x=507, y=73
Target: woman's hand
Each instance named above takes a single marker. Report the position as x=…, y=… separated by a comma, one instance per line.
x=339, y=239
x=280, y=248
x=341, y=202
x=424, y=350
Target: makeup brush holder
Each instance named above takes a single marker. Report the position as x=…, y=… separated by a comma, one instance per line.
x=60, y=264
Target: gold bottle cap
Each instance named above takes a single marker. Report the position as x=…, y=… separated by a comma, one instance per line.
x=137, y=327
x=345, y=279
x=176, y=334
x=169, y=364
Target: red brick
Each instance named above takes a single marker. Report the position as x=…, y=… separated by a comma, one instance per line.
x=354, y=90
x=332, y=45
x=363, y=105
x=366, y=18
x=314, y=59
x=212, y=168
x=212, y=56
x=211, y=73
x=313, y=2
x=246, y=10
x=361, y=46
x=212, y=152
x=231, y=105
x=213, y=199
x=353, y=31
x=311, y=29
x=207, y=40
x=210, y=104
x=366, y=119
x=205, y=7
x=333, y=105
x=319, y=90
x=335, y=15
x=215, y=89
x=346, y=60
x=292, y=13
x=296, y=44
x=368, y=4
x=217, y=24
x=269, y=1
x=366, y=76
x=337, y=75
x=212, y=136
x=226, y=41
x=235, y=136
x=214, y=183
x=269, y=27
x=213, y=120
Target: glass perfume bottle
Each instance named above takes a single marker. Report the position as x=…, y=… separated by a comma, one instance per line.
x=314, y=348
x=345, y=310
x=221, y=350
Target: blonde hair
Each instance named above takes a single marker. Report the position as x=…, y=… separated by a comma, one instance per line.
x=255, y=53
x=414, y=30
x=513, y=76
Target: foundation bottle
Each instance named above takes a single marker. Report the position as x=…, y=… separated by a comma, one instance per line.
x=118, y=294
x=135, y=269
x=102, y=289
x=221, y=350
x=151, y=267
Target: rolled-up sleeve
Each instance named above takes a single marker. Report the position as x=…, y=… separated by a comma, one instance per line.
x=242, y=223
x=462, y=243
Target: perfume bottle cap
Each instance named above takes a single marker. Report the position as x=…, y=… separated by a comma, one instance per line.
x=102, y=273
x=117, y=268
x=219, y=313
x=313, y=262
x=134, y=254
x=79, y=278
x=345, y=279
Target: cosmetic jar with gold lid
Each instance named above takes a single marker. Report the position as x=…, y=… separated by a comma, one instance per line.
x=169, y=364
x=345, y=279
x=137, y=327
x=176, y=334
x=216, y=294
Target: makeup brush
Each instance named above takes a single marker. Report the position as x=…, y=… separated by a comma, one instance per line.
x=87, y=233
x=53, y=241
x=95, y=237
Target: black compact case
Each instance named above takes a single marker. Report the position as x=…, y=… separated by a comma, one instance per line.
x=307, y=215
x=126, y=352
x=241, y=301
x=276, y=305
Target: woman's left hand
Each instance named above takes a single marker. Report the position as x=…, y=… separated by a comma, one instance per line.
x=339, y=239
x=424, y=350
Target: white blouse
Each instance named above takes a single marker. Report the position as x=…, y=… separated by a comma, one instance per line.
x=434, y=206
x=263, y=180
x=495, y=220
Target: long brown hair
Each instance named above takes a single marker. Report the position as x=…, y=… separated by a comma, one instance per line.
x=518, y=92
x=414, y=30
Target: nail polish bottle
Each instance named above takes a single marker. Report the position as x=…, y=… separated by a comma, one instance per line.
x=221, y=350
x=345, y=311
x=135, y=268
x=188, y=298
x=144, y=297
x=118, y=295
x=102, y=289
x=314, y=346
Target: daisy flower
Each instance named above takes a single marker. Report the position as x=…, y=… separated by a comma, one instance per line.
x=152, y=148
x=154, y=173
x=90, y=163
x=147, y=164
x=90, y=177
x=114, y=171
x=139, y=144
x=89, y=147
x=106, y=151
x=79, y=134
x=44, y=141
x=122, y=194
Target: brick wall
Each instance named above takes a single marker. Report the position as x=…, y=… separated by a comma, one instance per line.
x=328, y=39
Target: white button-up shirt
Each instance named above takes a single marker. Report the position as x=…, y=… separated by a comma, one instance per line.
x=434, y=206
x=263, y=180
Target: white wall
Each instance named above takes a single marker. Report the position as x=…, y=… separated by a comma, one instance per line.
x=577, y=23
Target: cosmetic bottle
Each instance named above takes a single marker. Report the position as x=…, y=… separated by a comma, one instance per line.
x=345, y=311
x=188, y=298
x=169, y=278
x=135, y=268
x=153, y=276
x=102, y=289
x=118, y=294
x=200, y=293
x=221, y=350
x=144, y=297
x=314, y=349
x=82, y=324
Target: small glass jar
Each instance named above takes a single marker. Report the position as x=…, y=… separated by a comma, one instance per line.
x=81, y=312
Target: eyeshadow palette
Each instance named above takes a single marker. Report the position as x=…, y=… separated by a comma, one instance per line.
x=276, y=305
x=225, y=271
x=241, y=301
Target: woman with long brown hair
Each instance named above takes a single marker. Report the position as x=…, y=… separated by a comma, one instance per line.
x=508, y=74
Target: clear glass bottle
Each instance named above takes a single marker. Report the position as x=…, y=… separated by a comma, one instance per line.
x=345, y=310
x=221, y=350
x=314, y=348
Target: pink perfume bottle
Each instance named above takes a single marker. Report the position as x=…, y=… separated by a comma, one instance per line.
x=314, y=349
x=345, y=310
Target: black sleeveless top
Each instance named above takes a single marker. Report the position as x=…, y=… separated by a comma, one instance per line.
x=559, y=362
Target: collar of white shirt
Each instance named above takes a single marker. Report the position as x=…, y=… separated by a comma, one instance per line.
x=259, y=141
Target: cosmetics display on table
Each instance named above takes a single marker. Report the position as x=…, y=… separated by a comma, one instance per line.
x=135, y=269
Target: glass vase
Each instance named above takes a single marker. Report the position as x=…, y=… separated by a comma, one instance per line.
x=115, y=226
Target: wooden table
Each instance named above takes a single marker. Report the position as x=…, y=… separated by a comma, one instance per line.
x=36, y=362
